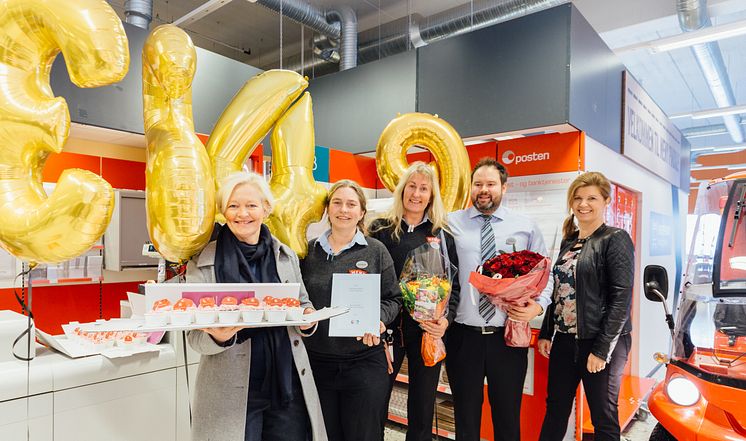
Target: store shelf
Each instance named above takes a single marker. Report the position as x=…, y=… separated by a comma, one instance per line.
x=68, y=281
x=444, y=388
x=440, y=432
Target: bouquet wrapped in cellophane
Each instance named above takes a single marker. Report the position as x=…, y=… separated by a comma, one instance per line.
x=426, y=289
x=512, y=279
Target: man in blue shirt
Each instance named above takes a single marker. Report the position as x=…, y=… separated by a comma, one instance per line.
x=475, y=343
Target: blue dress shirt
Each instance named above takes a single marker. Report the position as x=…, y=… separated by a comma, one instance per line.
x=323, y=240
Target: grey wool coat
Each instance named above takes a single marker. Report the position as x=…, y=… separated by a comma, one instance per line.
x=221, y=395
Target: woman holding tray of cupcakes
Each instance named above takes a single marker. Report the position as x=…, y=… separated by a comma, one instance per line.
x=417, y=217
x=252, y=384
x=351, y=373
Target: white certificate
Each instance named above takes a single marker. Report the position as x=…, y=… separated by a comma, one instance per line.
x=361, y=293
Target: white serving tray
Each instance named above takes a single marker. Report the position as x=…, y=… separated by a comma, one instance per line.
x=73, y=349
x=136, y=324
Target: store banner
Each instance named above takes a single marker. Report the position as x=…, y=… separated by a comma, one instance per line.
x=321, y=164
x=542, y=154
x=649, y=138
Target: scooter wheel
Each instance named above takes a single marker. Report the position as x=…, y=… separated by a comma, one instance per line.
x=660, y=433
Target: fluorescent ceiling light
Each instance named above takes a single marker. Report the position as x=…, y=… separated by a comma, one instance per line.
x=686, y=39
x=720, y=149
x=200, y=12
x=710, y=113
x=736, y=166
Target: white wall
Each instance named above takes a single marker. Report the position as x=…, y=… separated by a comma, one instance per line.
x=651, y=329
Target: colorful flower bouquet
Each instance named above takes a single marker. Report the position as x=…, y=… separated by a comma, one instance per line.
x=512, y=279
x=426, y=288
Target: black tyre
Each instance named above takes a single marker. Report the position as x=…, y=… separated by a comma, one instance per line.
x=660, y=433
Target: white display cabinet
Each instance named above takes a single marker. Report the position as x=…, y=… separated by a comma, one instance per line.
x=137, y=398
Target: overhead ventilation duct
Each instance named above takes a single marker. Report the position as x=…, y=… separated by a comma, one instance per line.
x=337, y=24
x=414, y=31
x=693, y=16
x=305, y=14
x=138, y=13
x=348, y=46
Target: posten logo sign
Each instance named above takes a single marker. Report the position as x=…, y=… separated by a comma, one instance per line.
x=509, y=157
x=541, y=154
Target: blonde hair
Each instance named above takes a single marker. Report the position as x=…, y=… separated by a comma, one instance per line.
x=347, y=183
x=235, y=180
x=587, y=179
x=435, y=209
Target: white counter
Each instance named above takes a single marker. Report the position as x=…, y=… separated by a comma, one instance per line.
x=141, y=397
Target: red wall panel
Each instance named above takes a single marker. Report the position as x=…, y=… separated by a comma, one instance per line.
x=119, y=173
x=57, y=163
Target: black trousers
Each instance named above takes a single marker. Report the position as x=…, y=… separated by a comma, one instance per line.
x=472, y=356
x=567, y=367
x=422, y=388
x=352, y=394
x=265, y=424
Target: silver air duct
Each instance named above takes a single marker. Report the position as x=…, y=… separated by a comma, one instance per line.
x=414, y=31
x=305, y=14
x=348, y=46
x=138, y=13
x=692, y=16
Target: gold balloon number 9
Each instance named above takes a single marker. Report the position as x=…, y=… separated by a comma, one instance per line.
x=441, y=139
x=34, y=123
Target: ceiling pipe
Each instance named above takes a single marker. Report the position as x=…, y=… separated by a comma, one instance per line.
x=414, y=31
x=305, y=14
x=348, y=46
x=138, y=13
x=693, y=16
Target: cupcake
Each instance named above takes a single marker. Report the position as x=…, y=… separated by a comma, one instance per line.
x=183, y=312
x=274, y=310
x=158, y=316
x=207, y=312
x=251, y=310
x=228, y=311
x=294, y=311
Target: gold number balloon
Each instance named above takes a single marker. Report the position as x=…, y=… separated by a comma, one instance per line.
x=441, y=139
x=249, y=116
x=33, y=123
x=300, y=199
x=180, y=193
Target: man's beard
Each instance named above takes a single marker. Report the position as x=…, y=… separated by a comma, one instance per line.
x=486, y=207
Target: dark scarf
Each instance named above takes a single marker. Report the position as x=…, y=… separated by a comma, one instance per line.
x=271, y=372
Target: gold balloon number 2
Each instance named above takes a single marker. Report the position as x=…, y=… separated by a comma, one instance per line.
x=34, y=123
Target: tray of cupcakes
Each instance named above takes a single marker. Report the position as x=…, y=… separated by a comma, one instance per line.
x=171, y=307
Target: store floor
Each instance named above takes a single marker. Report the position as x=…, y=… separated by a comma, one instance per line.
x=637, y=431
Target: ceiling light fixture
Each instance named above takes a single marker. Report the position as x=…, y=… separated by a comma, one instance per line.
x=711, y=113
x=720, y=149
x=686, y=39
x=200, y=12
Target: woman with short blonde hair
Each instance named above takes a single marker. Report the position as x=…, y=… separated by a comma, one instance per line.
x=253, y=384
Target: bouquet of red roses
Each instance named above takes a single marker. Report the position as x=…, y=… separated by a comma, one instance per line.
x=511, y=279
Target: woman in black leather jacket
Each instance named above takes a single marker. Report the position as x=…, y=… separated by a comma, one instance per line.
x=587, y=326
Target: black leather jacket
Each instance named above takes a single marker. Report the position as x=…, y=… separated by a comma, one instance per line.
x=604, y=277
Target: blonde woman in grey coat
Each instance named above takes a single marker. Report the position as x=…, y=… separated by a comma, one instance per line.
x=252, y=384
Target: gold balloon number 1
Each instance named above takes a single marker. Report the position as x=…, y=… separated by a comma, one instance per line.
x=33, y=124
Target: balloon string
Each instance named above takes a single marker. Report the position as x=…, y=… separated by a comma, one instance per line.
x=27, y=311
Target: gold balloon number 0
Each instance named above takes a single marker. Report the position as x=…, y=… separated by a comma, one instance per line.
x=441, y=139
x=35, y=123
